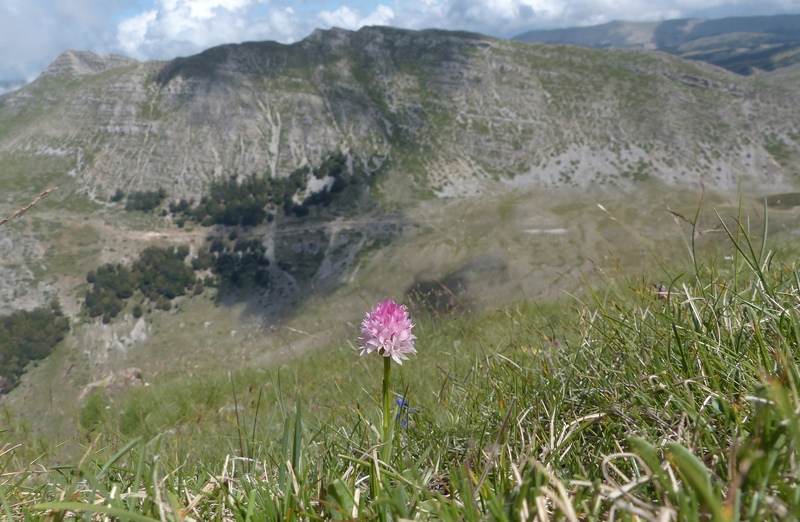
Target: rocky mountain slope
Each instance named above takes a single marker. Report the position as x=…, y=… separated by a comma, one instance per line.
x=741, y=44
x=444, y=111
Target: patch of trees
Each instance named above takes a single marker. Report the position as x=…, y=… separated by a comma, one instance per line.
x=160, y=274
x=258, y=198
x=143, y=200
x=232, y=203
x=28, y=336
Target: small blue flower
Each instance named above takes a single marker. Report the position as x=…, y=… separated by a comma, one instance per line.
x=402, y=416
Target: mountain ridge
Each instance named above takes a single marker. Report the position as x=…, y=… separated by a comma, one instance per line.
x=478, y=108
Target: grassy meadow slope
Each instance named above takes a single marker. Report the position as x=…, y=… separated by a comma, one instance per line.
x=533, y=245
x=612, y=403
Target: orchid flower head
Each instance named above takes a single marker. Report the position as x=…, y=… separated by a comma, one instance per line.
x=387, y=330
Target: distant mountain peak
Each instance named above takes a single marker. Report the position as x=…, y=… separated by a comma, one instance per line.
x=81, y=63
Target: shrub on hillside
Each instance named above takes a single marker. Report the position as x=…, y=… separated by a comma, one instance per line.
x=28, y=336
x=118, y=195
x=145, y=200
x=159, y=273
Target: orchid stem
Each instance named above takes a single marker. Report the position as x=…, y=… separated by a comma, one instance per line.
x=387, y=401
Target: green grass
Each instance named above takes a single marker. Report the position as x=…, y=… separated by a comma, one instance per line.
x=22, y=175
x=619, y=404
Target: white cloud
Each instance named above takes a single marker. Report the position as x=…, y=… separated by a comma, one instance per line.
x=175, y=27
x=511, y=17
x=204, y=9
x=349, y=18
x=34, y=32
x=131, y=32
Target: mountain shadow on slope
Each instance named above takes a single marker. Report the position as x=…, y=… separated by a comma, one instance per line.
x=458, y=291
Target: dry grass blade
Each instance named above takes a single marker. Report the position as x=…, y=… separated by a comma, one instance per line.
x=21, y=211
x=8, y=448
x=561, y=498
x=621, y=495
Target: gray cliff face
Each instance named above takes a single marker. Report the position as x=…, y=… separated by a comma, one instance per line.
x=453, y=111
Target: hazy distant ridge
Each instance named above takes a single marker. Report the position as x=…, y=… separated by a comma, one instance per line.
x=740, y=44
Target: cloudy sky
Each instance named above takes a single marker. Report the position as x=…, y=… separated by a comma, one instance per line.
x=34, y=32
